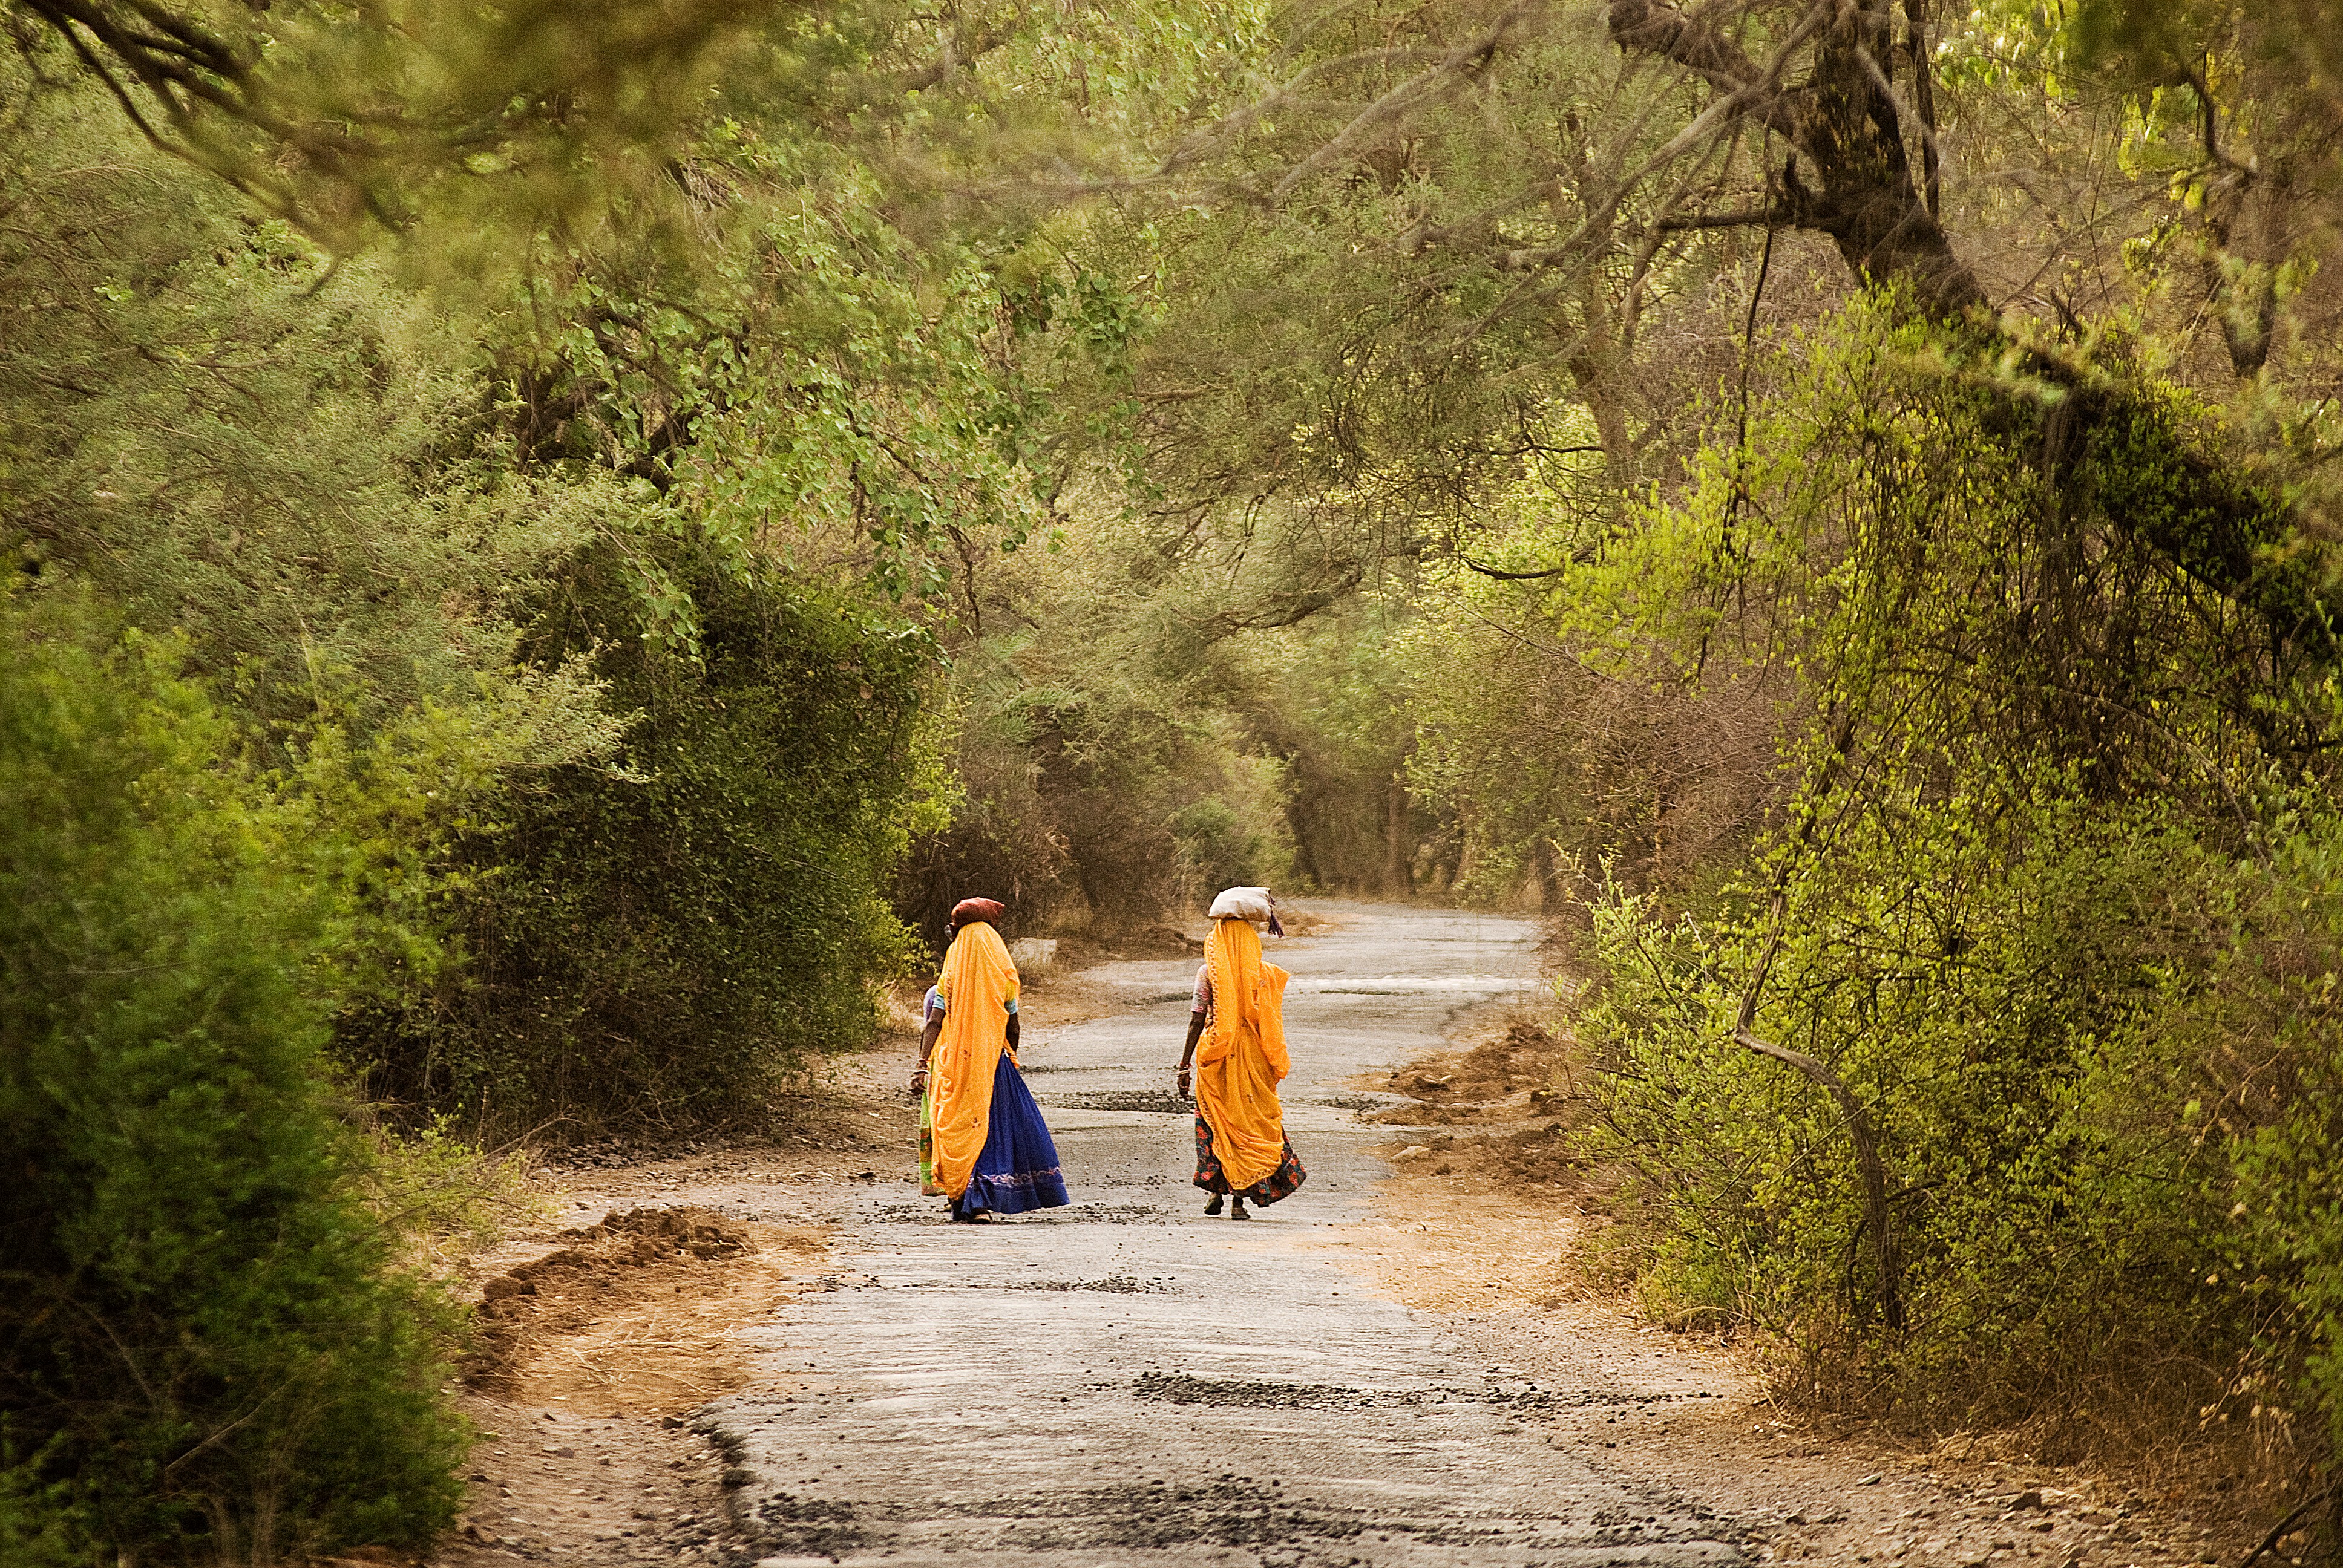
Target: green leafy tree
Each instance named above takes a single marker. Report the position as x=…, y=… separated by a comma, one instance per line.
x=654, y=938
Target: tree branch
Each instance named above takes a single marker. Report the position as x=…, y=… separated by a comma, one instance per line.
x=1839, y=120
x=2285, y=1526
x=1886, y=1255
x=1747, y=217
x=1512, y=577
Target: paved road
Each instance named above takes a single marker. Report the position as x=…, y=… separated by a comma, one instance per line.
x=1127, y=1382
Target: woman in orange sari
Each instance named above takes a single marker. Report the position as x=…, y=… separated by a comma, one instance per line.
x=1242, y=1149
x=983, y=1142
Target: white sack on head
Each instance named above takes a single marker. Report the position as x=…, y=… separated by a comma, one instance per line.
x=1255, y=904
x=1241, y=904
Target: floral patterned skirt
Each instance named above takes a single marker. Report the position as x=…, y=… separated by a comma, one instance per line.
x=1279, y=1184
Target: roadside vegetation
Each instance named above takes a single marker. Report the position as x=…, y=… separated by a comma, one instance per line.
x=549, y=546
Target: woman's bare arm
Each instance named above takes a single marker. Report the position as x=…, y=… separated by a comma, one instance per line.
x=1195, y=1033
x=928, y=1038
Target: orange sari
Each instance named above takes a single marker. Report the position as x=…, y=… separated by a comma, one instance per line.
x=977, y=984
x=1241, y=1059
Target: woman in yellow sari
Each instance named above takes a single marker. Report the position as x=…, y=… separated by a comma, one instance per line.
x=1242, y=1149
x=982, y=1141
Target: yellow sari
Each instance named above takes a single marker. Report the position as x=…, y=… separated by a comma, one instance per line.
x=1241, y=1059
x=976, y=986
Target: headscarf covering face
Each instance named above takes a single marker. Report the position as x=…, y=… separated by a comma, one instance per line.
x=1241, y=1059
x=976, y=986
x=988, y=910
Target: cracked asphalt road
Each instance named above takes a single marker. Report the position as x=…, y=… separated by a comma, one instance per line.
x=1128, y=1381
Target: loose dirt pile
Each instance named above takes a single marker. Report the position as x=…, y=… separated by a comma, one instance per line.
x=1515, y=1091
x=588, y=1357
x=1519, y=1071
x=636, y=1315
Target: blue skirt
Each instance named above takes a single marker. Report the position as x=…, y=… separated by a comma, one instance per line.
x=1017, y=1168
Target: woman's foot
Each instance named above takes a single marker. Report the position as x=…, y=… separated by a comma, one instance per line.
x=1237, y=1209
x=1214, y=1206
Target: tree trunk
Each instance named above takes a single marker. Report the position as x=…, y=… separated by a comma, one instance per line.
x=2244, y=243
x=1395, y=844
x=1848, y=176
x=1846, y=126
x=1548, y=872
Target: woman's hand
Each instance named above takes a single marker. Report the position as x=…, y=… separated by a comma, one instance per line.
x=918, y=1080
x=1184, y=1094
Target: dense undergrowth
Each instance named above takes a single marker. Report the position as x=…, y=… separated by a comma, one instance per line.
x=2048, y=885
x=204, y=1344
x=726, y=864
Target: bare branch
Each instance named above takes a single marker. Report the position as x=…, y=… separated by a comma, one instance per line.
x=1747, y=217
x=1454, y=67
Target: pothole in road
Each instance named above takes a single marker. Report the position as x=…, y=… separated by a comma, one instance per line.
x=1113, y=1284
x=1153, y=1514
x=1548, y=1401
x=1178, y=1387
x=807, y=1526
x=1162, y=1101
x=1361, y=1102
x=1234, y=1511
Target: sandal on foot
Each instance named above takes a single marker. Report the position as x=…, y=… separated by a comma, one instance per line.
x=1214, y=1206
x=1238, y=1211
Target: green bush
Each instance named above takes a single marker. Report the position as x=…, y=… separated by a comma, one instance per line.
x=204, y=1350
x=2103, y=1059
x=1995, y=988
x=2264, y=1027
x=2058, y=908
x=1240, y=844
x=651, y=941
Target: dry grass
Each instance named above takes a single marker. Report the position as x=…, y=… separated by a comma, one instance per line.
x=898, y=1008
